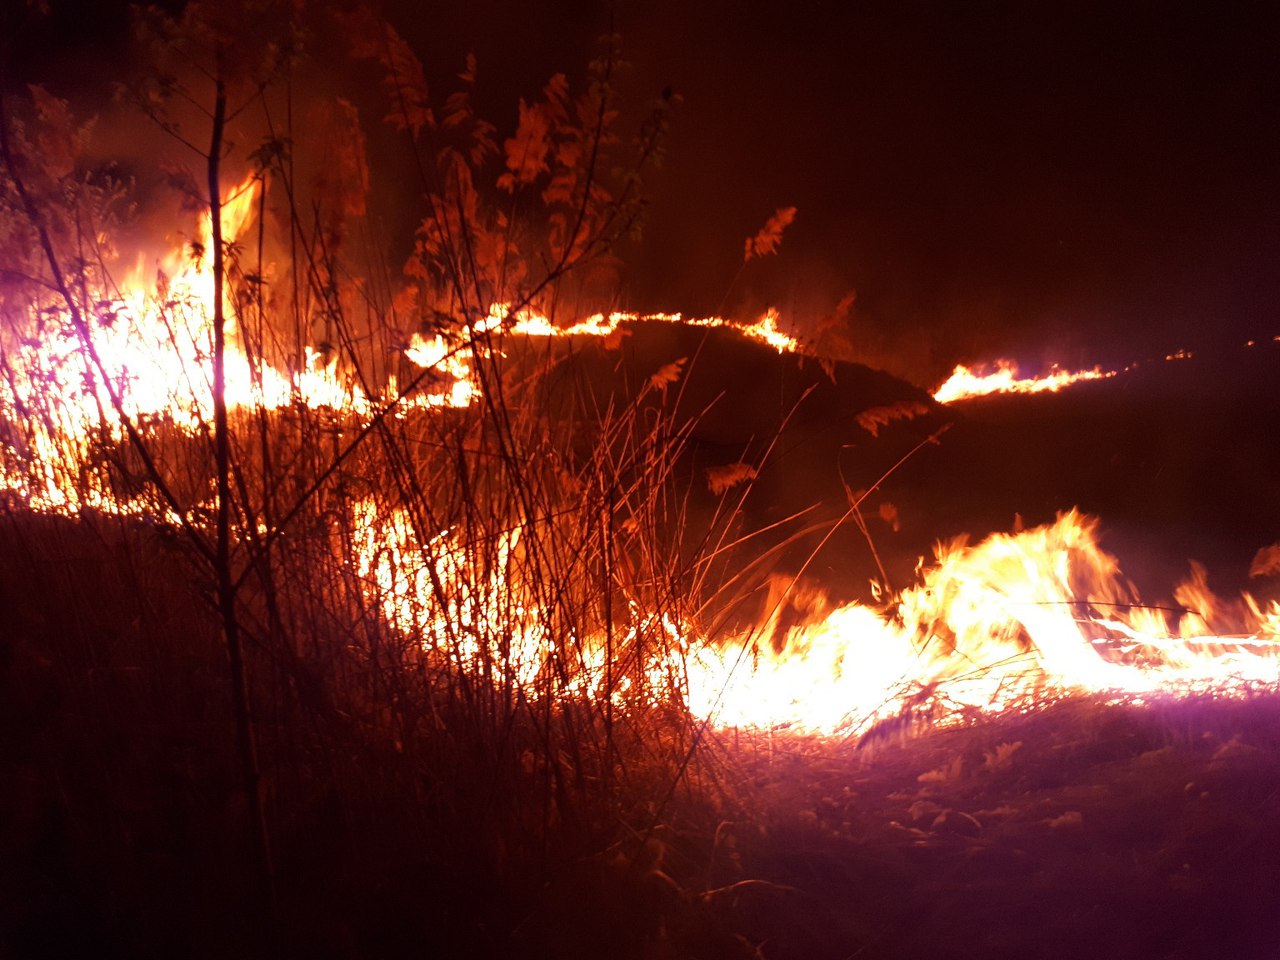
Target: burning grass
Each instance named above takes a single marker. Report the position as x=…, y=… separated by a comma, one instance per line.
x=394, y=835
x=377, y=623
x=489, y=735
x=967, y=384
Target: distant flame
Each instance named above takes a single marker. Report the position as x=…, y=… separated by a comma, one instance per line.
x=530, y=323
x=966, y=384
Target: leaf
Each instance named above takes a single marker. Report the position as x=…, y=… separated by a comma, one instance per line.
x=667, y=374
x=404, y=303
x=560, y=189
x=1234, y=753
x=272, y=153
x=956, y=822
x=875, y=418
x=570, y=483
x=181, y=179
x=404, y=81
x=527, y=151
x=1071, y=820
x=475, y=137
x=468, y=74
x=556, y=95
x=1267, y=562
x=770, y=235
x=457, y=110
x=341, y=185
x=949, y=772
x=889, y=514
x=924, y=810
x=834, y=339
x=721, y=479
x=59, y=141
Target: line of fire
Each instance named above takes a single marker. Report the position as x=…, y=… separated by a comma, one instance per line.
x=394, y=595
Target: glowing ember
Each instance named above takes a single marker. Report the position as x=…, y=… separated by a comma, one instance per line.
x=966, y=383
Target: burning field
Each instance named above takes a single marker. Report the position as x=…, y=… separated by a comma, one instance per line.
x=380, y=613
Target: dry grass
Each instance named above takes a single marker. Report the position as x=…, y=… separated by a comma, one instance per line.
x=429, y=784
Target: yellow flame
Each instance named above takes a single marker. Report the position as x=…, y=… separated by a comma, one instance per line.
x=966, y=383
x=1013, y=619
x=153, y=344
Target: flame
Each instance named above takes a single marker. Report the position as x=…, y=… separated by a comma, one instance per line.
x=966, y=383
x=530, y=323
x=153, y=344
x=1012, y=620
x=1015, y=620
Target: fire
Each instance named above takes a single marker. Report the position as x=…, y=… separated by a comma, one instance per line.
x=1012, y=620
x=1015, y=620
x=966, y=383
x=154, y=342
x=436, y=352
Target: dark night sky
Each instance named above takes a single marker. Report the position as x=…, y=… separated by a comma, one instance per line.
x=999, y=174
x=1075, y=181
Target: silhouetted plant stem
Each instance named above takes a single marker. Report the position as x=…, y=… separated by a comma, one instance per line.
x=245, y=745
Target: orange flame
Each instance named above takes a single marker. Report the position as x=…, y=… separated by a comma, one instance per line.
x=966, y=383
x=155, y=344
x=1014, y=619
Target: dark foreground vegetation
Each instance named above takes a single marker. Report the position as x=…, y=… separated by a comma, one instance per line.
x=1122, y=830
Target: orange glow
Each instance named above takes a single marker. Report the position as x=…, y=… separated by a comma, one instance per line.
x=1010, y=621
x=1013, y=620
x=966, y=383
